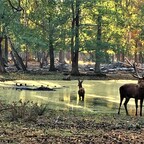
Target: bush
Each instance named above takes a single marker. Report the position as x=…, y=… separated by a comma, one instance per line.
x=27, y=111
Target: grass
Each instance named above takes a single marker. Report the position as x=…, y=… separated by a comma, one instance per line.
x=29, y=76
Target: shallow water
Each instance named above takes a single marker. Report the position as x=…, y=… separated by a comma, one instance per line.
x=101, y=96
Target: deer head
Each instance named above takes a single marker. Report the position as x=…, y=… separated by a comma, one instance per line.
x=80, y=83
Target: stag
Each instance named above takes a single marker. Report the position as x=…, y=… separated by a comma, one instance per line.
x=135, y=91
x=81, y=91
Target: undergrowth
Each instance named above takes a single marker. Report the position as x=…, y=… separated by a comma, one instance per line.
x=19, y=110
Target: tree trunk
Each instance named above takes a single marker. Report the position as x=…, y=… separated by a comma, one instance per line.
x=141, y=60
x=98, y=53
x=15, y=63
x=136, y=53
x=51, y=48
x=75, y=51
x=61, y=56
x=6, y=49
x=2, y=68
x=26, y=58
x=51, y=52
x=72, y=33
x=18, y=58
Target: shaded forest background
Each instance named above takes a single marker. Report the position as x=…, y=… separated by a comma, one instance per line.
x=68, y=31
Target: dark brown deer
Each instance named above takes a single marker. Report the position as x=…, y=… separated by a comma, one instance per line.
x=135, y=91
x=81, y=91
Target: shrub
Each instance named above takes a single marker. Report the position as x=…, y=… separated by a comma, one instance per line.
x=27, y=111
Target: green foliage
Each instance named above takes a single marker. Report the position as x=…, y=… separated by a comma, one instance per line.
x=41, y=20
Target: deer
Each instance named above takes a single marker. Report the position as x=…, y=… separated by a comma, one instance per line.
x=131, y=90
x=81, y=91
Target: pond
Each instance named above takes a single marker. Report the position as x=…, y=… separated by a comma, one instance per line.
x=101, y=96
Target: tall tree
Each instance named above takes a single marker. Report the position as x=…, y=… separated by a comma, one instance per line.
x=2, y=68
x=98, y=43
x=75, y=36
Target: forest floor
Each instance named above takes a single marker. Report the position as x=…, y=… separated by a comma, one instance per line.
x=67, y=126
x=72, y=127
x=61, y=76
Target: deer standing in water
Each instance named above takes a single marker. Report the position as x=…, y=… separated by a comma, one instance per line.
x=81, y=91
x=131, y=90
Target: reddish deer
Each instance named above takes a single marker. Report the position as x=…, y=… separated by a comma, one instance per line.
x=135, y=91
x=81, y=91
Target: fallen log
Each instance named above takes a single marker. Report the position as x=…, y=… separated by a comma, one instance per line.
x=41, y=88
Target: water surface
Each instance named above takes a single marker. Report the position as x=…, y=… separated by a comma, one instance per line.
x=101, y=96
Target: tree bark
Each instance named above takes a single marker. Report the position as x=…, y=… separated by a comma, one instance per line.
x=18, y=58
x=98, y=46
x=2, y=68
x=61, y=56
x=51, y=48
x=26, y=58
x=15, y=63
x=51, y=52
x=6, y=49
x=75, y=49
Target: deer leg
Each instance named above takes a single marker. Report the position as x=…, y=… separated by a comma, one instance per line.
x=141, y=104
x=79, y=97
x=125, y=105
x=83, y=98
x=136, y=104
x=121, y=99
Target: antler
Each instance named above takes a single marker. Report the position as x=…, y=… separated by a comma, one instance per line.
x=135, y=68
x=137, y=74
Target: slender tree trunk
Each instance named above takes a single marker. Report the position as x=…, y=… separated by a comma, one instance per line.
x=51, y=48
x=18, y=58
x=51, y=52
x=98, y=46
x=6, y=49
x=123, y=56
x=72, y=31
x=136, y=53
x=61, y=56
x=26, y=58
x=2, y=68
x=75, y=52
x=15, y=63
x=141, y=57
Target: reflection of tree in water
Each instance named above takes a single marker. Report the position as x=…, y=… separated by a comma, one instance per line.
x=99, y=101
x=81, y=103
x=68, y=96
x=65, y=95
x=73, y=96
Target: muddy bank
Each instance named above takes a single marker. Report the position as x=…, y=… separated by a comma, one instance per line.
x=63, y=76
